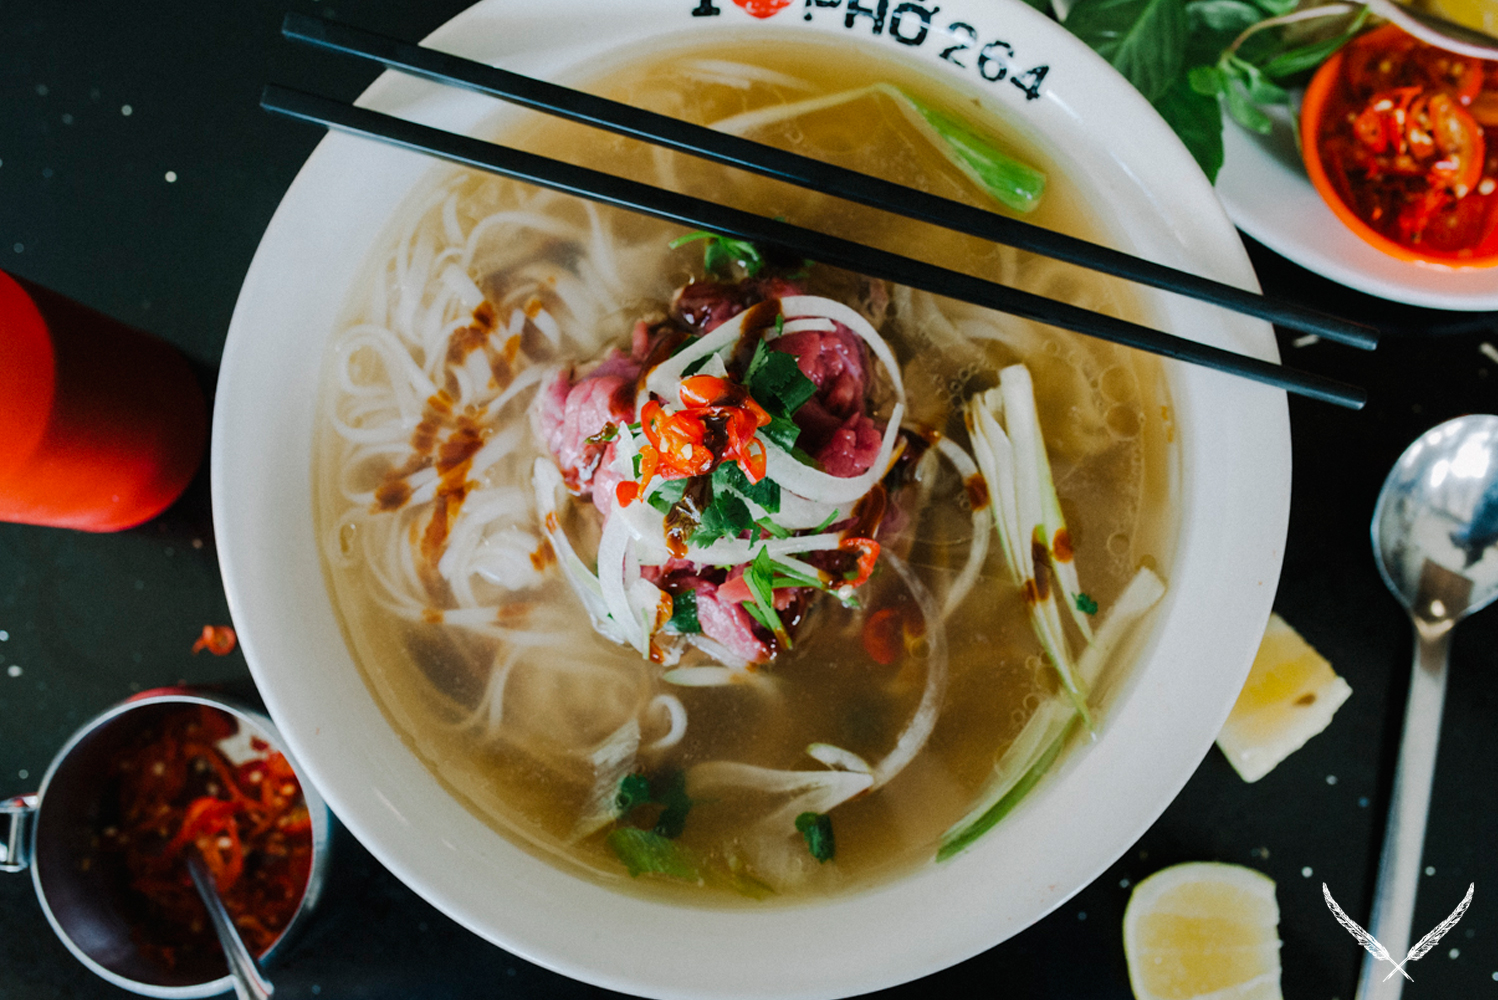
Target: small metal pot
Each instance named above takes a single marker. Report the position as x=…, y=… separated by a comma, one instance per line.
x=53, y=831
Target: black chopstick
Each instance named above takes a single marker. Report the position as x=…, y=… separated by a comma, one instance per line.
x=802, y=171
x=699, y=214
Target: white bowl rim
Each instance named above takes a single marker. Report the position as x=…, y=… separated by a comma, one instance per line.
x=1233, y=479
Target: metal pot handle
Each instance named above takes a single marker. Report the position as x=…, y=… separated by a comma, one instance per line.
x=15, y=828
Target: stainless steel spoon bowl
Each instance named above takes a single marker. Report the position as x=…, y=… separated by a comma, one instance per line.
x=1434, y=530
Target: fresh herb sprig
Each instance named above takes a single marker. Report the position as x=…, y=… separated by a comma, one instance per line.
x=1192, y=59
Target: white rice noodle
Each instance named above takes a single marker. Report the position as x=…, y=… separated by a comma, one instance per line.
x=977, y=550
x=489, y=713
x=523, y=380
x=816, y=485
x=612, y=760
x=923, y=720
x=676, y=721
x=713, y=777
x=451, y=228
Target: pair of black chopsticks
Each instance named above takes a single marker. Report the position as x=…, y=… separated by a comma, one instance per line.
x=799, y=170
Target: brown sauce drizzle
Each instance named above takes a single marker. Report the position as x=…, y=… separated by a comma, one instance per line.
x=977, y=491
x=685, y=515
x=757, y=319
x=544, y=555
x=1039, y=588
x=1062, y=546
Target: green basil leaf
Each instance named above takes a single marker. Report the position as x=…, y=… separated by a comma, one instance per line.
x=1304, y=57
x=1244, y=111
x=1206, y=80
x=1260, y=89
x=1227, y=16
x=1197, y=119
x=1145, y=40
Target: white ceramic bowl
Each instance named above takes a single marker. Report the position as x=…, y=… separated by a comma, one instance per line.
x=1232, y=484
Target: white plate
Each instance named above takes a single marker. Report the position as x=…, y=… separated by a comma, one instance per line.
x=1232, y=477
x=1267, y=193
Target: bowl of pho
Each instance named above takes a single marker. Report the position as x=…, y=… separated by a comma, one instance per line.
x=652, y=602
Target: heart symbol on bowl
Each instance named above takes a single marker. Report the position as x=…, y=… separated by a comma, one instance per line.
x=763, y=8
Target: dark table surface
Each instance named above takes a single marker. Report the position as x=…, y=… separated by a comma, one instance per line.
x=136, y=176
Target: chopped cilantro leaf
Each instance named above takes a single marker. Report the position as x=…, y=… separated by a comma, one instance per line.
x=637, y=465
x=647, y=852
x=634, y=790
x=725, y=515
x=817, y=829
x=696, y=366
x=782, y=430
x=766, y=492
x=723, y=252
x=683, y=619
x=1086, y=605
x=665, y=496
x=776, y=382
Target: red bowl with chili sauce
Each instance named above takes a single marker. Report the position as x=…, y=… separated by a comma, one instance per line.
x=1401, y=140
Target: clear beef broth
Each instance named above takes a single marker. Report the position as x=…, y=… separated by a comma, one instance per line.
x=435, y=652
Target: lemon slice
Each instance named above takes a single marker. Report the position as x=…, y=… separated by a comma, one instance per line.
x=1290, y=696
x=1203, y=931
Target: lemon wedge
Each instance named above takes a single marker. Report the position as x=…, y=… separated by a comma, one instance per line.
x=1290, y=696
x=1203, y=931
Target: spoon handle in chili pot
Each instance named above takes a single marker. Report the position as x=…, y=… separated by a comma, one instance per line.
x=248, y=983
x=1404, y=833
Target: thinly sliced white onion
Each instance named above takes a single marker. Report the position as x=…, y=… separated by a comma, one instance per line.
x=801, y=306
x=663, y=377
x=612, y=759
x=736, y=551
x=721, y=775
x=918, y=730
x=584, y=583
x=977, y=550
x=820, y=324
x=816, y=485
x=838, y=758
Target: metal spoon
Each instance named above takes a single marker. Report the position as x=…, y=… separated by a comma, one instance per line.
x=1434, y=530
x=248, y=983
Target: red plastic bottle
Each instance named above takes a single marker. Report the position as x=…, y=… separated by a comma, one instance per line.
x=101, y=426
